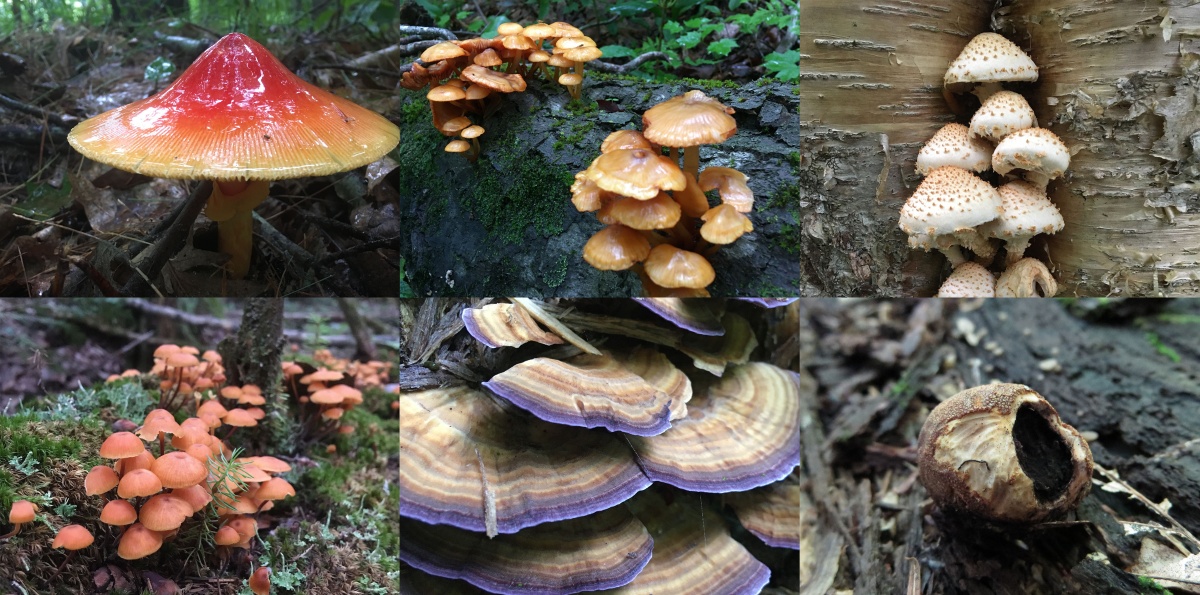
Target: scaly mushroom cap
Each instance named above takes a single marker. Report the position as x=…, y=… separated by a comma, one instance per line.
x=638, y=173
x=478, y=463
x=72, y=537
x=139, y=483
x=702, y=317
x=723, y=224
x=1001, y=452
x=692, y=556
x=660, y=212
x=949, y=199
x=178, y=470
x=590, y=391
x=99, y=480
x=237, y=113
x=122, y=445
x=1027, y=277
x=505, y=325
x=730, y=184
x=23, y=511
x=625, y=139
x=118, y=513
x=1035, y=150
x=444, y=50
x=743, y=432
x=688, y=120
x=771, y=512
x=1001, y=114
x=138, y=542
x=616, y=248
x=1026, y=212
x=968, y=280
x=952, y=145
x=991, y=58
x=496, y=81
x=604, y=550
x=164, y=512
x=670, y=267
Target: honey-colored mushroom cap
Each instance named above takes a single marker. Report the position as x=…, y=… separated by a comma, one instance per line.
x=669, y=266
x=616, y=248
x=138, y=542
x=637, y=173
x=73, y=537
x=688, y=120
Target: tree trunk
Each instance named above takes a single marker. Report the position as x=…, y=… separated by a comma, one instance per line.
x=1125, y=374
x=364, y=344
x=1124, y=100
x=870, y=96
x=255, y=356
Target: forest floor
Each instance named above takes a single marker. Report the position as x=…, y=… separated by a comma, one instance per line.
x=1124, y=373
x=67, y=224
x=337, y=535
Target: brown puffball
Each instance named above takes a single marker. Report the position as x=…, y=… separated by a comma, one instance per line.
x=1001, y=452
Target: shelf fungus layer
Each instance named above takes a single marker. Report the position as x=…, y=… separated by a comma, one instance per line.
x=693, y=552
x=742, y=433
x=477, y=463
x=505, y=325
x=592, y=391
x=601, y=551
x=700, y=316
x=772, y=512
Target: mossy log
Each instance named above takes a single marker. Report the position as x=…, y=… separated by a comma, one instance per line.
x=1121, y=96
x=1124, y=374
x=504, y=225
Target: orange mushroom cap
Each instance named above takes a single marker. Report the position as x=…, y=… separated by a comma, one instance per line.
x=639, y=173
x=179, y=470
x=22, y=511
x=138, y=542
x=99, y=480
x=118, y=513
x=139, y=483
x=724, y=224
x=121, y=445
x=260, y=581
x=688, y=120
x=237, y=113
x=670, y=267
x=616, y=248
x=73, y=537
x=164, y=512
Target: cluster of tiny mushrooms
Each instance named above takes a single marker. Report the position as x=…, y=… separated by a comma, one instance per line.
x=469, y=74
x=954, y=209
x=517, y=485
x=1000, y=452
x=239, y=118
x=156, y=496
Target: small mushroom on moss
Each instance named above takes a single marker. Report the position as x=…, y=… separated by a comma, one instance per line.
x=260, y=581
x=1001, y=452
x=22, y=511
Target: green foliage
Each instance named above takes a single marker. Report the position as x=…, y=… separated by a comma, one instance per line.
x=785, y=66
x=27, y=464
x=317, y=329
x=29, y=445
x=161, y=69
x=126, y=398
x=1162, y=348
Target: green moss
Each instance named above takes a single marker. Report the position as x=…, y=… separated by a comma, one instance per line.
x=1162, y=348
x=529, y=195
x=33, y=446
x=1149, y=586
x=556, y=275
x=578, y=130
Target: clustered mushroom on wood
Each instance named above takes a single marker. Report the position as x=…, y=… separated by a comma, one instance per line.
x=465, y=76
x=238, y=117
x=954, y=209
x=517, y=485
x=657, y=217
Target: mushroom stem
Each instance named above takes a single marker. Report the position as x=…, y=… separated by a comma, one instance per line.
x=232, y=207
x=1014, y=250
x=16, y=530
x=691, y=160
x=954, y=254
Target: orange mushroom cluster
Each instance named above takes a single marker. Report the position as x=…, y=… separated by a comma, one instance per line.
x=466, y=75
x=155, y=496
x=324, y=398
x=658, y=217
x=368, y=373
x=185, y=374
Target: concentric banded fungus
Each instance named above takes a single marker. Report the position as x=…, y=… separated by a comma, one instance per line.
x=505, y=325
x=239, y=117
x=587, y=390
x=1001, y=452
x=695, y=315
x=691, y=556
x=477, y=463
x=743, y=432
x=771, y=512
x=604, y=550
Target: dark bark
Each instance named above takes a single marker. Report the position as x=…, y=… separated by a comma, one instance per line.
x=1131, y=380
x=364, y=346
x=255, y=356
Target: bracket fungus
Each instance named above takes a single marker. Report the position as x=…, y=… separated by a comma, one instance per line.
x=699, y=316
x=1001, y=452
x=505, y=325
x=604, y=550
x=772, y=512
x=239, y=117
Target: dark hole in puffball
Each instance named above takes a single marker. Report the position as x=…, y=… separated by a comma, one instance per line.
x=1042, y=453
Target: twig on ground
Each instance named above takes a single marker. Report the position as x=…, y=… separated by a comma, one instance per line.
x=57, y=120
x=628, y=66
x=150, y=264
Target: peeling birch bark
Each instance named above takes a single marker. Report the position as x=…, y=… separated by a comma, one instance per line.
x=1120, y=84
x=870, y=95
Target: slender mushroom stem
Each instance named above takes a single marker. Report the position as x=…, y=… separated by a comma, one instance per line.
x=232, y=207
x=691, y=160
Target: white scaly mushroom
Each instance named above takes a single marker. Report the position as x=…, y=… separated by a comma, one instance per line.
x=1037, y=151
x=968, y=280
x=945, y=210
x=1026, y=211
x=989, y=58
x=1002, y=114
x=952, y=145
